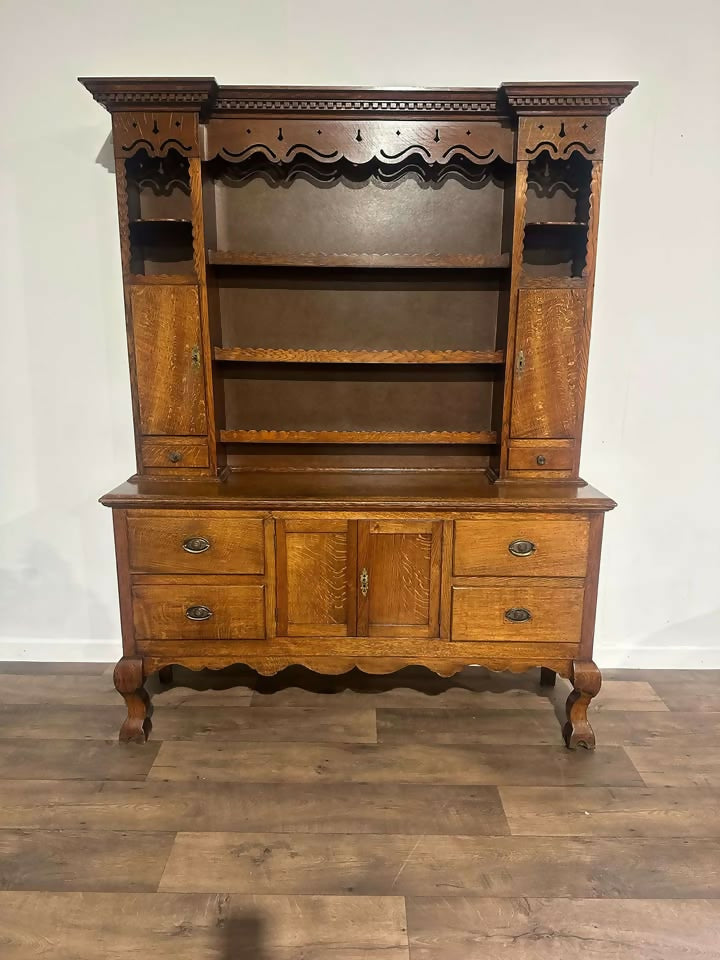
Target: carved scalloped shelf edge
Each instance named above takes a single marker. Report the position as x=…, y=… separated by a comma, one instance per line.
x=442, y=666
x=587, y=99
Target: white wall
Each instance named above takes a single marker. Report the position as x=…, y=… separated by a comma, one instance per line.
x=651, y=429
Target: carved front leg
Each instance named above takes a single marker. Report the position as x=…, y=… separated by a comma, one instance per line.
x=586, y=680
x=128, y=677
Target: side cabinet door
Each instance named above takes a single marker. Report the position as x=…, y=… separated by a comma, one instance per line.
x=551, y=350
x=316, y=577
x=399, y=578
x=168, y=363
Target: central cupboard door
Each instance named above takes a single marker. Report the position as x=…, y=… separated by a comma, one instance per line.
x=367, y=578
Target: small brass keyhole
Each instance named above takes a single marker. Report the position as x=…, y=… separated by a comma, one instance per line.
x=364, y=582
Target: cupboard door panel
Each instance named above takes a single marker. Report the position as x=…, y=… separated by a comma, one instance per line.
x=316, y=578
x=399, y=566
x=550, y=363
x=168, y=363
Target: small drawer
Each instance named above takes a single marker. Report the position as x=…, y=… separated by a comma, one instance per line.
x=174, y=452
x=198, y=612
x=517, y=546
x=540, y=458
x=212, y=542
x=496, y=614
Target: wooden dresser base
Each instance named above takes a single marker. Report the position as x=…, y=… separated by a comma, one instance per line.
x=339, y=572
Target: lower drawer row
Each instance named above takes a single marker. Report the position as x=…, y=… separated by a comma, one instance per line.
x=201, y=611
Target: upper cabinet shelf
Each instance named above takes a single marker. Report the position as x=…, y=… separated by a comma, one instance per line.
x=262, y=355
x=364, y=260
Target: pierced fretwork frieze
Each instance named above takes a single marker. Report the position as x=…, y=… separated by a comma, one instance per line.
x=561, y=137
x=156, y=133
x=388, y=141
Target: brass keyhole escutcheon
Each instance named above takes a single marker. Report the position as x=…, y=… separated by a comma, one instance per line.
x=195, y=357
x=364, y=581
x=521, y=361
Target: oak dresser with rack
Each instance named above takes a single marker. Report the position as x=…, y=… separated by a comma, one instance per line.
x=358, y=327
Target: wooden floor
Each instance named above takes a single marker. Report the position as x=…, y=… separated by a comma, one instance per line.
x=398, y=818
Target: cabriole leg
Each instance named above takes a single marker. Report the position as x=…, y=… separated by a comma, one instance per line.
x=586, y=681
x=128, y=677
x=547, y=677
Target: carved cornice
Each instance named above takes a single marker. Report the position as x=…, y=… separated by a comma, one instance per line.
x=579, y=99
x=354, y=101
x=152, y=93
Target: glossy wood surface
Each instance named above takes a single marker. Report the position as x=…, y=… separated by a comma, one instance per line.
x=558, y=548
x=482, y=613
x=161, y=542
x=160, y=611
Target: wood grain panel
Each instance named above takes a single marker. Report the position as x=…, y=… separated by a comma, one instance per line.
x=171, y=385
x=159, y=612
x=174, y=452
x=548, y=390
x=403, y=566
x=541, y=457
x=316, y=576
x=479, y=613
x=156, y=543
x=482, y=547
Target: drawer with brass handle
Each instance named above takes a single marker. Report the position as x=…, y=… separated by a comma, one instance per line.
x=198, y=611
x=174, y=452
x=211, y=541
x=521, y=546
x=549, y=614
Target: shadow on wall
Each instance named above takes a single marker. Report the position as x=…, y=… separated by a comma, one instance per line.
x=40, y=595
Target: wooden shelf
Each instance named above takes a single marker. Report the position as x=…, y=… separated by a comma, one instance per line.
x=357, y=436
x=161, y=278
x=261, y=355
x=163, y=220
x=541, y=224
x=420, y=261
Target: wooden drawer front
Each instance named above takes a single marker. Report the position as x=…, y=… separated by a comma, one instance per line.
x=483, y=613
x=160, y=544
x=175, y=453
x=540, y=458
x=160, y=612
x=482, y=547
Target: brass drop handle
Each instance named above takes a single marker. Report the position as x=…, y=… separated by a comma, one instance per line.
x=364, y=581
x=518, y=615
x=174, y=456
x=198, y=612
x=196, y=545
x=522, y=548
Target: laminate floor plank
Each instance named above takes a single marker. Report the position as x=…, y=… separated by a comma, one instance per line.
x=356, y=725
x=612, y=811
x=106, y=926
x=467, y=928
x=679, y=766
x=696, y=694
x=75, y=759
x=85, y=860
x=392, y=763
x=373, y=865
x=252, y=807
x=612, y=727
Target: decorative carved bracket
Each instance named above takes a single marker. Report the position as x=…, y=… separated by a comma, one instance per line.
x=561, y=136
x=388, y=141
x=156, y=132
